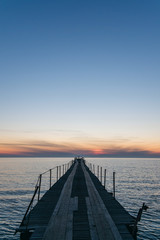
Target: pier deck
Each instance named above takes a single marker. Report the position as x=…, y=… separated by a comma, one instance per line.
x=77, y=207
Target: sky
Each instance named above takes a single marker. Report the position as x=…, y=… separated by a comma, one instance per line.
x=80, y=77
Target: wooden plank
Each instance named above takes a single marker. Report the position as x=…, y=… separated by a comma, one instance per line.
x=92, y=225
x=69, y=228
x=58, y=223
x=105, y=227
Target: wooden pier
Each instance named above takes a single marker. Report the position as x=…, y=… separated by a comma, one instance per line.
x=77, y=207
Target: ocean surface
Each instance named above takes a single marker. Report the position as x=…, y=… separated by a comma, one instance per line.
x=137, y=181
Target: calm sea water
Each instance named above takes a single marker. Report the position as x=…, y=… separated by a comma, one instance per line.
x=137, y=181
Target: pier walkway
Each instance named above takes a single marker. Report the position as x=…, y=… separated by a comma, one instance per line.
x=77, y=207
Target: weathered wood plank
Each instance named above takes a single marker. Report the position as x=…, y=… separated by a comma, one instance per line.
x=73, y=206
x=58, y=223
x=93, y=230
x=105, y=226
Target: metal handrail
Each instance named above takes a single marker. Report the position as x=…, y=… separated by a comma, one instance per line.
x=30, y=204
x=101, y=174
x=39, y=181
x=48, y=170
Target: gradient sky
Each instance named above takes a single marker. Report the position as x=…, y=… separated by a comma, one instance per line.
x=80, y=77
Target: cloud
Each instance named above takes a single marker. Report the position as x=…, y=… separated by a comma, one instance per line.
x=41, y=131
x=128, y=153
x=33, y=143
x=89, y=147
x=54, y=149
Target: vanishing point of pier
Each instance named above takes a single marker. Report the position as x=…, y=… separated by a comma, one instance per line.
x=76, y=207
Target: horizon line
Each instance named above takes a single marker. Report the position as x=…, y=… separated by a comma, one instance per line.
x=85, y=156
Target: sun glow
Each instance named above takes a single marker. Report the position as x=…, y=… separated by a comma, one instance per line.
x=98, y=151
x=86, y=147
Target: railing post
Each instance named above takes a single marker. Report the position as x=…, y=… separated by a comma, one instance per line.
x=104, y=178
x=101, y=175
x=50, y=171
x=93, y=169
x=57, y=173
x=98, y=172
x=39, y=187
x=114, y=184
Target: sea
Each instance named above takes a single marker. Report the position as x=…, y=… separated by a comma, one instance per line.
x=137, y=181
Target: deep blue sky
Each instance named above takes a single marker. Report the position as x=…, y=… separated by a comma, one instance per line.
x=80, y=73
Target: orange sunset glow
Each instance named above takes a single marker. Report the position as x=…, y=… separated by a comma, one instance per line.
x=44, y=148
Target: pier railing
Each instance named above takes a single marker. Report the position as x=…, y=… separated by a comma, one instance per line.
x=101, y=174
x=49, y=177
x=54, y=174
